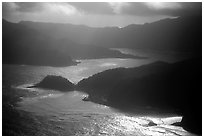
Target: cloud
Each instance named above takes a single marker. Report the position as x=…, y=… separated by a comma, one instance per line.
x=189, y=8
x=97, y=14
x=118, y=6
x=126, y=8
x=163, y=5
x=29, y=6
x=92, y=7
x=165, y=8
x=24, y=9
x=8, y=8
x=23, y=6
x=62, y=8
x=162, y=8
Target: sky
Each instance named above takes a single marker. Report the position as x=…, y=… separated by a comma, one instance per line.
x=97, y=14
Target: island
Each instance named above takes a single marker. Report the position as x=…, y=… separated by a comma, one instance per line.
x=55, y=83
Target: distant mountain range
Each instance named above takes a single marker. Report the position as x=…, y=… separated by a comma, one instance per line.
x=54, y=43
x=178, y=34
x=22, y=44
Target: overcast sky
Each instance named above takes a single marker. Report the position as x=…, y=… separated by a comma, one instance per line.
x=97, y=14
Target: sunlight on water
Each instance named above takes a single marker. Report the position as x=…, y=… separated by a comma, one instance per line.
x=135, y=124
x=108, y=64
x=79, y=70
x=86, y=118
x=97, y=119
x=51, y=96
x=76, y=73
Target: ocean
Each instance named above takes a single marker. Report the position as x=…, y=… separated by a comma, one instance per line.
x=50, y=112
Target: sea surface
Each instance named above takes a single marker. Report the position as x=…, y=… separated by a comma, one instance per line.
x=66, y=114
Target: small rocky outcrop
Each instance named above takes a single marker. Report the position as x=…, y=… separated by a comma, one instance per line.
x=86, y=98
x=55, y=83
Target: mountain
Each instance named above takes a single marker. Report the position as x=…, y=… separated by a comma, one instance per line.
x=160, y=85
x=55, y=44
x=182, y=34
x=22, y=45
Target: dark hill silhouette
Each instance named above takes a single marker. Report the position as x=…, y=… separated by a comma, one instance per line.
x=23, y=44
x=161, y=85
x=52, y=44
x=55, y=83
x=182, y=34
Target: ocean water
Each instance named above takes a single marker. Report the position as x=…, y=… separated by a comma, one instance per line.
x=67, y=114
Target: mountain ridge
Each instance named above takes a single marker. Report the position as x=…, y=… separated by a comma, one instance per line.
x=178, y=34
x=174, y=86
x=22, y=44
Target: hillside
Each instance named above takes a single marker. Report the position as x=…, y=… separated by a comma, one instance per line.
x=181, y=34
x=55, y=83
x=161, y=85
x=57, y=44
x=22, y=44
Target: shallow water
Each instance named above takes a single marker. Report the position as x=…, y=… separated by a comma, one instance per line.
x=76, y=117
